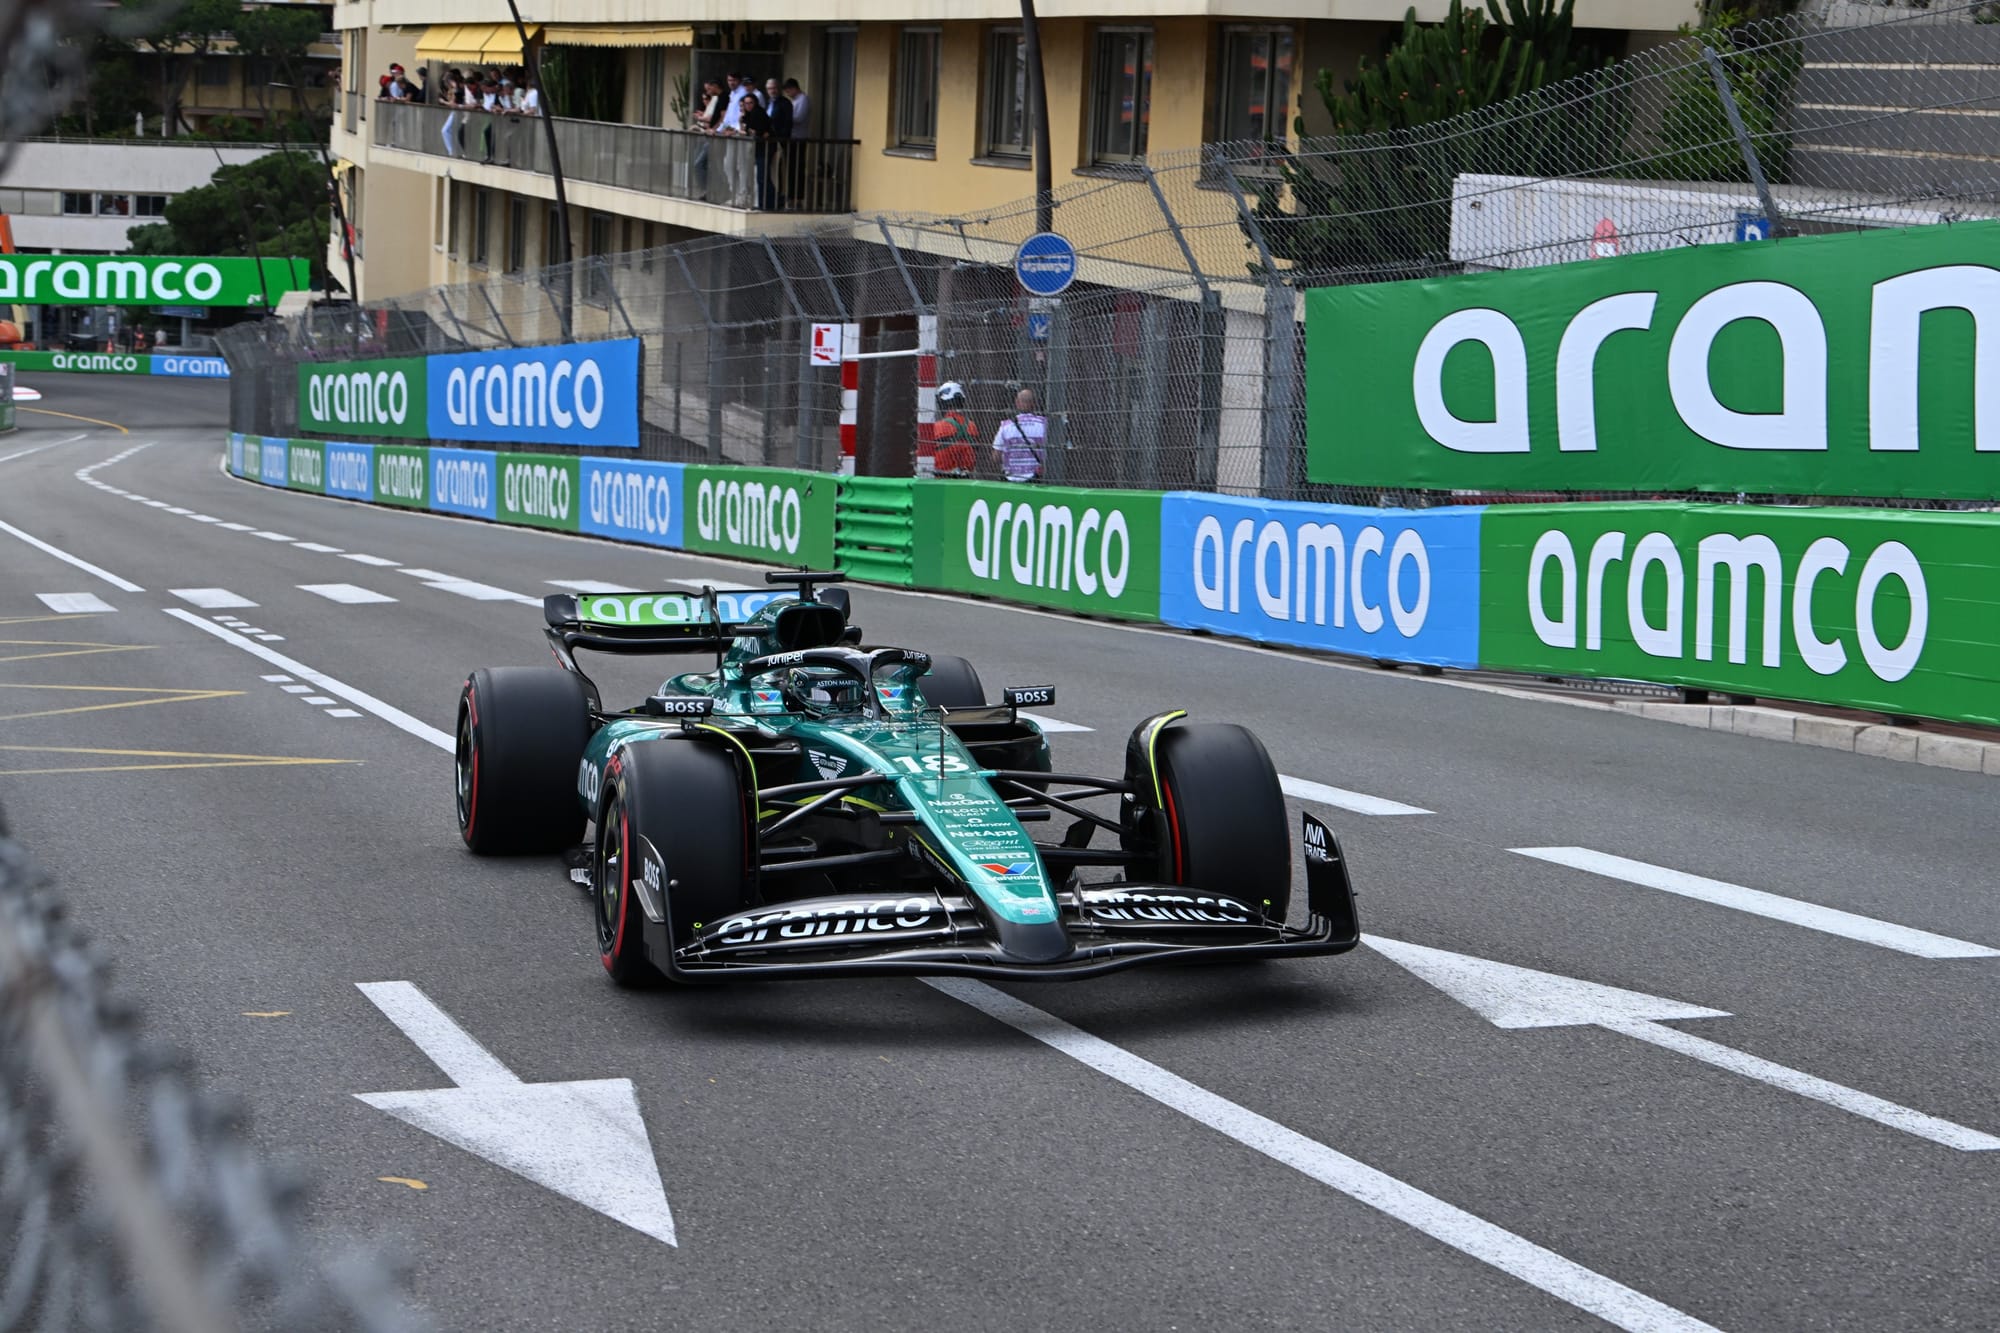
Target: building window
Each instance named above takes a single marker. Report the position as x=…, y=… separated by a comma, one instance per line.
x=517, y=235
x=916, y=88
x=552, y=247
x=597, y=273
x=482, y=225
x=452, y=226
x=79, y=205
x=114, y=205
x=1256, y=84
x=653, y=89
x=150, y=206
x=1121, y=95
x=216, y=71
x=1005, y=127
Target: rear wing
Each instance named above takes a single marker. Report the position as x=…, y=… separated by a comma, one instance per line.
x=653, y=622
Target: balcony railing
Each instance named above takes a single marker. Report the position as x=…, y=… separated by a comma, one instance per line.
x=792, y=176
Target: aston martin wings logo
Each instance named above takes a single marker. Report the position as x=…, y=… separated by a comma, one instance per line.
x=830, y=766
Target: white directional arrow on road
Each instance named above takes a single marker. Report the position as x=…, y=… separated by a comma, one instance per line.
x=584, y=1140
x=1519, y=997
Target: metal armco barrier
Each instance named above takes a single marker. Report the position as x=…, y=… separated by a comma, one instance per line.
x=1892, y=610
x=875, y=529
x=129, y=1199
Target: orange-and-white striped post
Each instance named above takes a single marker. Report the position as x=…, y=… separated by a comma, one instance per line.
x=850, y=394
x=927, y=387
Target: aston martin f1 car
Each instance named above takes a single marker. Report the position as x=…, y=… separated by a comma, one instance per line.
x=812, y=807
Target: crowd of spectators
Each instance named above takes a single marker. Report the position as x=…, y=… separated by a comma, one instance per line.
x=762, y=161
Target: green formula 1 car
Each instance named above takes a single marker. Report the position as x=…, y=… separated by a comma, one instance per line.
x=810, y=807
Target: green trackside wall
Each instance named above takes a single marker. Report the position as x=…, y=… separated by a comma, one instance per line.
x=1890, y=610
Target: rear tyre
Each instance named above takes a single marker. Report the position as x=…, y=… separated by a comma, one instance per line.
x=521, y=735
x=1224, y=829
x=952, y=682
x=687, y=800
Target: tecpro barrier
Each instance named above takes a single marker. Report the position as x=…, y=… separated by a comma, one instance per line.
x=121, y=363
x=1784, y=367
x=1890, y=610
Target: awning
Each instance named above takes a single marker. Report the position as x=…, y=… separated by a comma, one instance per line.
x=488, y=43
x=620, y=34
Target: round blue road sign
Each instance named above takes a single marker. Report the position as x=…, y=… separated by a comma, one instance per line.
x=1045, y=264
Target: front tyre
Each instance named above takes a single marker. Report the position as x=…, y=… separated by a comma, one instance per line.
x=1222, y=820
x=952, y=682
x=521, y=735
x=684, y=802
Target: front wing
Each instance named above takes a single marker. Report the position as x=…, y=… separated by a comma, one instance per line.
x=1112, y=926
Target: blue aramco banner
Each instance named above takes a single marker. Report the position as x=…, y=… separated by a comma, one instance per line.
x=350, y=470
x=633, y=501
x=462, y=482
x=1388, y=583
x=271, y=462
x=574, y=393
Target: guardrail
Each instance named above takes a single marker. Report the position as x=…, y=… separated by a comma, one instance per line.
x=805, y=175
x=1890, y=610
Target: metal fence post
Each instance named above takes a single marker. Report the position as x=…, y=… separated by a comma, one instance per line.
x=1208, y=427
x=498, y=322
x=1281, y=357
x=826, y=274
x=1743, y=144
x=611, y=290
x=1055, y=468
x=896, y=253
x=713, y=344
x=1151, y=407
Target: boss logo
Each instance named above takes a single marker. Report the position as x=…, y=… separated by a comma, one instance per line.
x=1029, y=695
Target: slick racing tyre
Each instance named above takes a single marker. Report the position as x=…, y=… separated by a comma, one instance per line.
x=952, y=683
x=521, y=733
x=1224, y=826
x=686, y=801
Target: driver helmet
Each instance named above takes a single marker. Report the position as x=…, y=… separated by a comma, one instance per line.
x=951, y=394
x=822, y=690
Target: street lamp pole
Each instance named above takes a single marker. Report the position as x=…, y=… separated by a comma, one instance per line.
x=332, y=180
x=547, y=117
x=1038, y=109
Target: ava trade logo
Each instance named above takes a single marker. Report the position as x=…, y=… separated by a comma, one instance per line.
x=1005, y=871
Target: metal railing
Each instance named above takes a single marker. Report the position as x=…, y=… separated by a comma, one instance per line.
x=792, y=176
x=1177, y=358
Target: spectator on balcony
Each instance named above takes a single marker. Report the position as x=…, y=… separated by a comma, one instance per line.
x=421, y=92
x=801, y=109
x=707, y=119
x=531, y=97
x=1022, y=439
x=451, y=96
x=757, y=146
x=774, y=151
x=739, y=157
x=399, y=91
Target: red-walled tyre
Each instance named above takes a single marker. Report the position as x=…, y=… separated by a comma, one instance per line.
x=521, y=735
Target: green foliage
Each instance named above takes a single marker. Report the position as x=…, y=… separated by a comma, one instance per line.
x=585, y=82
x=113, y=97
x=1387, y=206
x=180, y=35
x=281, y=197
x=1696, y=141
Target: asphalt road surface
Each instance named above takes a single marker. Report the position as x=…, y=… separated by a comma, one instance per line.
x=233, y=769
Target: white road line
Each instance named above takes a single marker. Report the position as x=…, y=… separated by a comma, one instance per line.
x=156, y=504
x=274, y=536
x=361, y=699
x=1340, y=798
x=1829, y=920
x=23, y=453
x=176, y=509
x=210, y=599
x=1473, y=1236
x=450, y=1047
x=347, y=594
x=318, y=548
x=271, y=638
x=1054, y=725
x=1851, y=1100
x=238, y=527
x=589, y=586
x=341, y=712
x=123, y=585
x=428, y=575
x=298, y=689
x=204, y=518
x=74, y=603
x=482, y=592
x=276, y=679
x=316, y=700
x=376, y=560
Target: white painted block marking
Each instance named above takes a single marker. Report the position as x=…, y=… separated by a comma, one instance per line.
x=1469, y=1234
x=156, y=504
x=1828, y=920
x=274, y=536
x=482, y=592
x=1053, y=725
x=427, y=575
x=204, y=518
x=276, y=679
x=347, y=594
x=361, y=699
x=341, y=712
x=1340, y=798
x=320, y=548
x=237, y=527
x=271, y=638
x=316, y=700
x=210, y=599
x=589, y=586
x=375, y=560
x=74, y=603
x=176, y=509
x=298, y=689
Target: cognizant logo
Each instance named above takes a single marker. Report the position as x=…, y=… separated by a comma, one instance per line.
x=359, y=397
x=568, y=394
